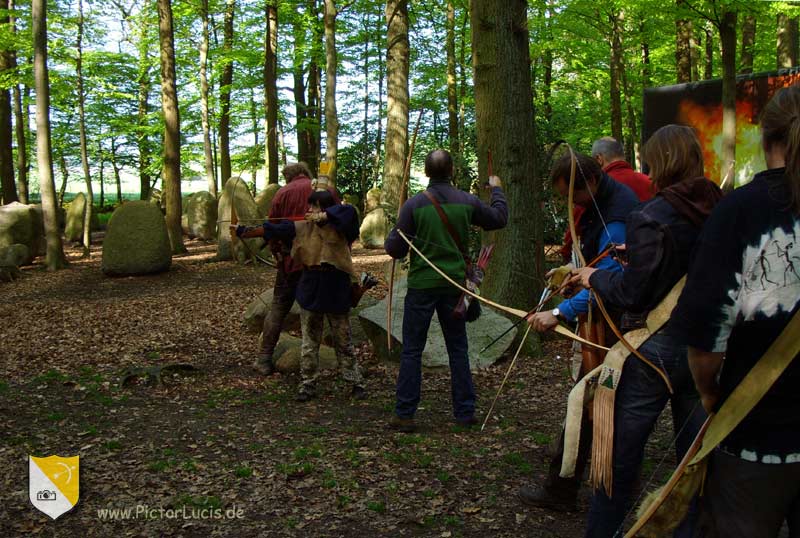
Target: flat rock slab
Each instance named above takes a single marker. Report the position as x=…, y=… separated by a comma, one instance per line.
x=479, y=333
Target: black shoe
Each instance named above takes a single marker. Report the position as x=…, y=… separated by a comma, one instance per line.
x=264, y=366
x=359, y=393
x=467, y=422
x=304, y=396
x=542, y=497
x=403, y=425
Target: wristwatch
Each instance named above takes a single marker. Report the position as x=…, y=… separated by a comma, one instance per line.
x=556, y=312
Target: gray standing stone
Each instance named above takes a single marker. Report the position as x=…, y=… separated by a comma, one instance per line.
x=264, y=199
x=479, y=333
x=374, y=229
x=201, y=215
x=236, y=192
x=373, y=200
x=75, y=214
x=287, y=355
x=19, y=225
x=136, y=242
x=14, y=255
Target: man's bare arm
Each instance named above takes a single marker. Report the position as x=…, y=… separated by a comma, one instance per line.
x=705, y=367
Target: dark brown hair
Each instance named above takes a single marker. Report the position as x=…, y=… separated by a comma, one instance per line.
x=585, y=168
x=780, y=124
x=292, y=170
x=673, y=154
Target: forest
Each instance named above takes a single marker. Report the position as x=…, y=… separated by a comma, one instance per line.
x=115, y=101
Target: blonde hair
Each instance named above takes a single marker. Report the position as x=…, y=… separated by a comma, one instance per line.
x=780, y=124
x=673, y=154
x=292, y=170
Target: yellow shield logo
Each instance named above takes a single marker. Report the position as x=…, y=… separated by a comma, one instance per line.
x=53, y=484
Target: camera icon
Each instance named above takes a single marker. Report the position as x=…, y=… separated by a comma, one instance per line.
x=46, y=495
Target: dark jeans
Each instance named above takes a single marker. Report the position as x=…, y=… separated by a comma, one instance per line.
x=282, y=301
x=752, y=499
x=417, y=313
x=640, y=398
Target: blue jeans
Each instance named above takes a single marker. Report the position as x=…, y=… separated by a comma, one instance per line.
x=417, y=313
x=640, y=398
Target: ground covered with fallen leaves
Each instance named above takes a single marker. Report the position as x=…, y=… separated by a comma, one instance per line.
x=220, y=440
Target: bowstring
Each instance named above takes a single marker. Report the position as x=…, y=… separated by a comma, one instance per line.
x=599, y=214
x=451, y=249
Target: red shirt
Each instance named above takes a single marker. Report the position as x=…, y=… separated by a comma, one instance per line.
x=291, y=200
x=624, y=173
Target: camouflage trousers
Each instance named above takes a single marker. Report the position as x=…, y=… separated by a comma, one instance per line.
x=312, y=324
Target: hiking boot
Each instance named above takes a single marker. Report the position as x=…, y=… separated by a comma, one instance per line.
x=359, y=393
x=543, y=497
x=403, y=425
x=263, y=365
x=467, y=422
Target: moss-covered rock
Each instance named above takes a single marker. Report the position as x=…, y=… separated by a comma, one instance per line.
x=76, y=211
x=237, y=194
x=19, y=225
x=136, y=241
x=14, y=255
x=201, y=215
x=373, y=200
x=375, y=228
x=264, y=199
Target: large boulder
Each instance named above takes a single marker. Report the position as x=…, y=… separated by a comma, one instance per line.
x=201, y=215
x=479, y=333
x=374, y=228
x=287, y=355
x=236, y=194
x=373, y=200
x=136, y=242
x=19, y=225
x=264, y=199
x=76, y=212
x=14, y=255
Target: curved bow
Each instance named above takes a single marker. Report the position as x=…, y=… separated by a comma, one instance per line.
x=513, y=311
x=582, y=262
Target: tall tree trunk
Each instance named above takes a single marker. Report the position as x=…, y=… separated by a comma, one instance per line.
x=6, y=130
x=208, y=158
x=87, y=176
x=727, y=35
x=708, y=73
x=331, y=62
x=694, y=46
x=683, y=51
x=365, y=57
x=225, y=84
x=379, y=130
x=452, y=90
x=254, y=116
x=172, y=128
x=787, y=41
x=271, y=90
x=504, y=122
x=301, y=108
x=462, y=90
x=617, y=26
x=62, y=165
x=101, y=164
x=20, y=122
x=632, y=145
x=646, y=72
x=748, y=43
x=145, y=179
x=397, y=62
x=115, y=166
x=54, y=258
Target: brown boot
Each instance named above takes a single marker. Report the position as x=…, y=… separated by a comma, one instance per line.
x=403, y=425
x=559, y=500
x=263, y=365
